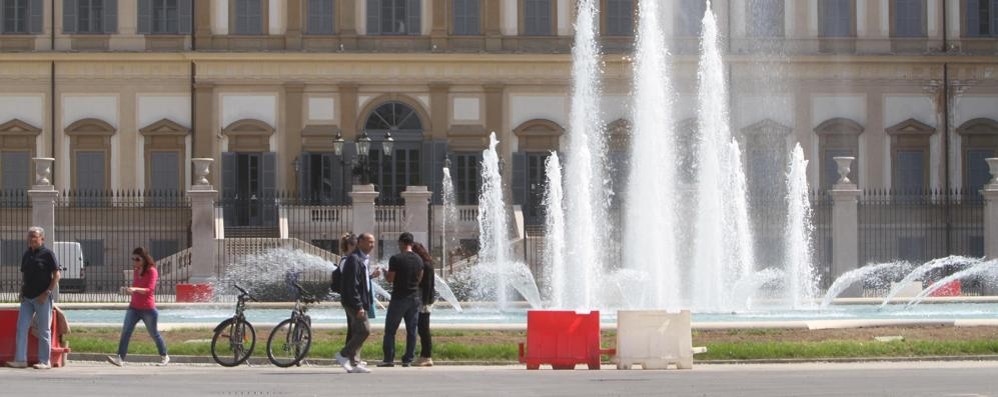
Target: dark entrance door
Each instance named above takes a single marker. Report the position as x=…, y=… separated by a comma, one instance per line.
x=392, y=173
x=248, y=193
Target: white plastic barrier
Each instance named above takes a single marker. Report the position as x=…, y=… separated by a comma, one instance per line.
x=654, y=339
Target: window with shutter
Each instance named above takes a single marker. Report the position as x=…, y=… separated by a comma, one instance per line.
x=397, y=17
x=908, y=20
x=466, y=177
x=537, y=18
x=165, y=16
x=164, y=171
x=620, y=17
x=90, y=16
x=766, y=18
x=977, y=172
x=982, y=18
x=14, y=16
x=248, y=18
x=466, y=17
x=15, y=168
x=320, y=17
x=836, y=18
x=910, y=172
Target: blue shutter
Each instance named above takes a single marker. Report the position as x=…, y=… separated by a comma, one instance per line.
x=256, y=12
x=910, y=171
x=519, y=178
x=15, y=167
x=432, y=167
x=185, y=15
x=110, y=16
x=69, y=16
x=994, y=19
x=36, y=11
x=977, y=169
x=973, y=18
x=164, y=172
x=373, y=17
x=145, y=17
x=305, y=177
x=459, y=12
x=269, y=184
x=414, y=13
x=230, y=186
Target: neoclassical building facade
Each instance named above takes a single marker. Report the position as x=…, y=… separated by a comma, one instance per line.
x=124, y=93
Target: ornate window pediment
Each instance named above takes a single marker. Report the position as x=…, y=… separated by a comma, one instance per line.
x=90, y=126
x=910, y=127
x=839, y=126
x=165, y=127
x=248, y=127
x=19, y=127
x=767, y=127
x=978, y=126
x=538, y=127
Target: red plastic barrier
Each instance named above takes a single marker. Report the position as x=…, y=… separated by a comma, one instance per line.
x=8, y=341
x=562, y=339
x=194, y=292
x=950, y=289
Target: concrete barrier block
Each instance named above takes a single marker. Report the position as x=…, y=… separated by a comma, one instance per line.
x=654, y=339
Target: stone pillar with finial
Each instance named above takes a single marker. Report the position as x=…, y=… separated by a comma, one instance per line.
x=845, y=220
x=363, y=197
x=417, y=213
x=203, y=243
x=43, y=196
x=990, y=193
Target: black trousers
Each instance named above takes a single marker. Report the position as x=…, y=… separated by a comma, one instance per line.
x=425, y=340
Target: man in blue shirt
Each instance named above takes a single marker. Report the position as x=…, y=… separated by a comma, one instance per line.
x=41, y=277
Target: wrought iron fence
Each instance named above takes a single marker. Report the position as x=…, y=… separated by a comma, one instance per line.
x=15, y=218
x=919, y=226
x=106, y=226
x=389, y=222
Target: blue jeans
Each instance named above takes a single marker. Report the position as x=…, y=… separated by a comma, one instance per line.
x=401, y=309
x=132, y=317
x=42, y=313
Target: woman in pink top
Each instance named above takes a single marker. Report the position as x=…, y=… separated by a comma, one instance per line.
x=142, y=307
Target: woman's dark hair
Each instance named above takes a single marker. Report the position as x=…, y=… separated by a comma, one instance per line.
x=147, y=261
x=347, y=240
x=420, y=250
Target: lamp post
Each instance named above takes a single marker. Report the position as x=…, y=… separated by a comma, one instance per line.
x=360, y=165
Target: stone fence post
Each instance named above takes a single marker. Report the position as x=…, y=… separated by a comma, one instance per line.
x=990, y=193
x=43, y=196
x=363, y=197
x=203, y=242
x=845, y=220
x=417, y=212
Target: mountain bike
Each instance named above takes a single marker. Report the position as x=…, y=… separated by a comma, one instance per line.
x=234, y=338
x=290, y=340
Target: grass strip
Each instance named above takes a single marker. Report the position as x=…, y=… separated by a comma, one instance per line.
x=502, y=346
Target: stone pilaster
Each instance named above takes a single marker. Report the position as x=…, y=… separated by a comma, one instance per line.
x=417, y=212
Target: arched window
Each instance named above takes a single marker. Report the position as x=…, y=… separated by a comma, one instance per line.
x=392, y=172
x=979, y=141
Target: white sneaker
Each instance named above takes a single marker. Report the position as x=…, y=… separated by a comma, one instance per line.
x=360, y=370
x=344, y=362
x=116, y=360
x=42, y=366
x=17, y=364
x=163, y=360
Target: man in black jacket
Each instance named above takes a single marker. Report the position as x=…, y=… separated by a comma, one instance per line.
x=355, y=297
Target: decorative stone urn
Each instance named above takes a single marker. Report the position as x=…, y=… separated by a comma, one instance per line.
x=845, y=166
x=993, y=168
x=43, y=171
x=202, y=167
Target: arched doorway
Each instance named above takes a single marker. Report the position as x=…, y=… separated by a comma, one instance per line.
x=392, y=172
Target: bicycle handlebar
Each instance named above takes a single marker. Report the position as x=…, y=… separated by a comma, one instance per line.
x=245, y=293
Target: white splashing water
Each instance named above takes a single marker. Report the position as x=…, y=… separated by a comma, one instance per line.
x=494, y=239
x=862, y=274
x=745, y=289
x=554, y=244
x=587, y=194
x=650, y=221
x=987, y=269
x=927, y=267
x=717, y=262
x=449, y=220
x=801, y=284
x=741, y=254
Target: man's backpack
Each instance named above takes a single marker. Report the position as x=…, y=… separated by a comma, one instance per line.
x=336, y=282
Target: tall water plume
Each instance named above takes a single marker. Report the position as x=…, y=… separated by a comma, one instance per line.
x=717, y=262
x=587, y=196
x=554, y=247
x=801, y=284
x=449, y=221
x=494, y=238
x=649, y=221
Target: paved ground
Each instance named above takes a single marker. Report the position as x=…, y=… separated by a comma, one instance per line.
x=877, y=379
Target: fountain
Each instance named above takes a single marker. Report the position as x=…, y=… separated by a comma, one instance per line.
x=802, y=286
x=554, y=249
x=649, y=208
x=720, y=256
x=927, y=267
x=449, y=218
x=864, y=273
x=988, y=269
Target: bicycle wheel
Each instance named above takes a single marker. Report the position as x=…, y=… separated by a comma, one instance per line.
x=233, y=342
x=289, y=343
